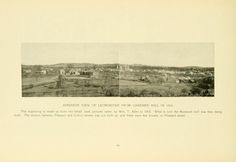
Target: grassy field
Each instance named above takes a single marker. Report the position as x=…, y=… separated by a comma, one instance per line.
x=140, y=82
x=153, y=84
x=72, y=87
x=155, y=90
x=37, y=80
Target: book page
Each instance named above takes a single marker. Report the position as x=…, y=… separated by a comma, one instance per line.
x=118, y=81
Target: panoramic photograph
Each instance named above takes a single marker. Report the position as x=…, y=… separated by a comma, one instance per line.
x=117, y=69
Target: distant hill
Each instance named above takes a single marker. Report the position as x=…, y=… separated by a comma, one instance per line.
x=135, y=66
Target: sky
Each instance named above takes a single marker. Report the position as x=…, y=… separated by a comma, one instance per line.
x=155, y=54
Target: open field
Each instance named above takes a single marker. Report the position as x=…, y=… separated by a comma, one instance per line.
x=167, y=83
x=72, y=86
x=91, y=80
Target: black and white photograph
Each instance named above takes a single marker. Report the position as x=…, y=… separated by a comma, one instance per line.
x=117, y=69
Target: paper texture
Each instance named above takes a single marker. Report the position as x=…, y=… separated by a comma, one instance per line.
x=138, y=128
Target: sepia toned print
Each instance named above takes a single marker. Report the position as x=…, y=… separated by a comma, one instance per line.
x=117, y=69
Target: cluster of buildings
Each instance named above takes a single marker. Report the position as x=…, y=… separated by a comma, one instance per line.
x=78, y=72
x=43, y=71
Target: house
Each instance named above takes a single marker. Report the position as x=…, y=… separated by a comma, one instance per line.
x=184, y=80
x=41, y=72
x=27, y=71
x=86, y=73
x=77, y=72
x=62, y=72
x=145, y=78
x=44, y=71
x=95, y=74
x=72, y=71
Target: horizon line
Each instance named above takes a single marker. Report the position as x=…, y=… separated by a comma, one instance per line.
x=120, y=64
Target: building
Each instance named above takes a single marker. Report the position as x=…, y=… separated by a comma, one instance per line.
x=62, y=72
x=95, y=74
x=72, y=71
x=124, y=67
x=27, y=71
x=44, y=72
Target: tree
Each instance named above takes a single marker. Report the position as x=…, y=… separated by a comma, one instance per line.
x=37, y=69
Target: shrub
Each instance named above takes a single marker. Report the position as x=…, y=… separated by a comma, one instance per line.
x=206, y=83
x=195, y=91
x=111, y=92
